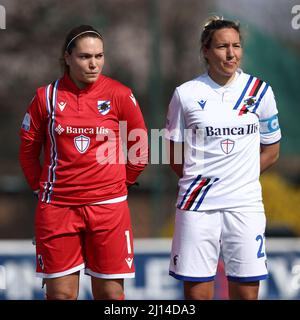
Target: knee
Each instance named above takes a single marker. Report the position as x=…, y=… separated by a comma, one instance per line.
x=109, y=295
x=198, y=296
x=107, y=289
x=62, y=295
x=247, y=296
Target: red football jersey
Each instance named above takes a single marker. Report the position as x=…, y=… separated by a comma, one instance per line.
x=80, y=132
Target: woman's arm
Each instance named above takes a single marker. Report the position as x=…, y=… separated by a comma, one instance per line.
x=177, y=157
x=269, y=154
x=32, y=138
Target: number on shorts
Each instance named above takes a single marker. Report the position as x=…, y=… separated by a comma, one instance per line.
x=128, y=241
x=260, y=252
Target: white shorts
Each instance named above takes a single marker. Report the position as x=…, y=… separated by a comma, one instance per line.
x=200, y=238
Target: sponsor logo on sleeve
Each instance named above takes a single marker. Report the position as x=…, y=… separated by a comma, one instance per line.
x=26, y=122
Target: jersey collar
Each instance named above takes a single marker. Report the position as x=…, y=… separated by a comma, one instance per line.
x=221, y=89
x=72, y=86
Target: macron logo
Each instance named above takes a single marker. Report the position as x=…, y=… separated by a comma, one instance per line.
x=129, y=262
x=202, y=103
x=61, y=105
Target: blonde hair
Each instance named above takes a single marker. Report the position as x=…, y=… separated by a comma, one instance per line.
x=214, y=23
x=211, y=19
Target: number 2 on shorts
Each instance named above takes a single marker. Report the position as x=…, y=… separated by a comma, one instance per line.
x=260, y=253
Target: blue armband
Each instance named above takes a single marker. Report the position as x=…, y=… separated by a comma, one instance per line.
x=269, y=125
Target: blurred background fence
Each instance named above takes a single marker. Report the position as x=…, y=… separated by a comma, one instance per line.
x=151, y=46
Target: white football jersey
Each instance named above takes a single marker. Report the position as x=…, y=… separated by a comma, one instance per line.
x=222, y=127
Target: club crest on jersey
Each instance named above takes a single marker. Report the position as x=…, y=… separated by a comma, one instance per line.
x=227, y=145
x=103, y=106
x=81, y=143
x=250, y=102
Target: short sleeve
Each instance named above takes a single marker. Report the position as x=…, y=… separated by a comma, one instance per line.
x=175, y=123
x=269, y=128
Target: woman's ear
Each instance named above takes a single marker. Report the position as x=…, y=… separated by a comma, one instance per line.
x=204, y=51
x=67, y=58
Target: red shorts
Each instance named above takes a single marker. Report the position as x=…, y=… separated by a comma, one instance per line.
x=97, y=238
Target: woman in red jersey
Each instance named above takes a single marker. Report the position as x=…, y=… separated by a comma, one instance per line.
x=82, y=219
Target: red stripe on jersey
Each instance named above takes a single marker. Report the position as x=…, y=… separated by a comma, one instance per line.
x=244, y=107
x=254, y=87
x=191, y=197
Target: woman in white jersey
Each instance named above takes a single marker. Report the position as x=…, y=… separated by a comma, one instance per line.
x=227, y=121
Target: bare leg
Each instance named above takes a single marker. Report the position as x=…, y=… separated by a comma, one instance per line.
x=63, y=288
x=243, y=290
x=198, y=290
x=108, y=289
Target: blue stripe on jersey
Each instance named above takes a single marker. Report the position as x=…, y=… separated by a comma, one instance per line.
x=53, y=158
x=243, y=93
x=48, y=107
x=204, y=194
x=260, y=97
x=54, y=96
x=47, y=100
x=188, y=190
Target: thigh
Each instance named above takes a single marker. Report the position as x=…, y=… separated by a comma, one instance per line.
x=63, y=288
x=199, y=290
x=195, y=245
x=109, y=241
x=243, y=290
x=59, y=249
x=108, y=289
x=243, y=246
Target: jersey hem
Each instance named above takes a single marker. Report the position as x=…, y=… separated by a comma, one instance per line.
x=254, y=209
x=113, y=200
x=82, y=202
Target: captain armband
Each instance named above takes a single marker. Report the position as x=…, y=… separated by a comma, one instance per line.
x=269, y=125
